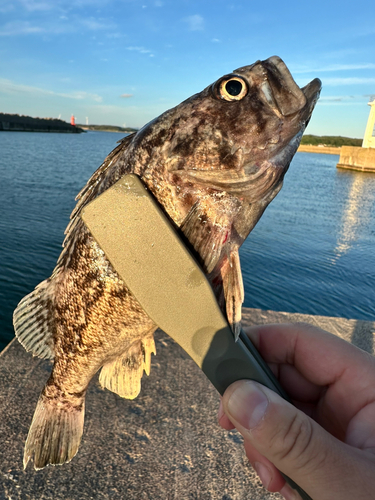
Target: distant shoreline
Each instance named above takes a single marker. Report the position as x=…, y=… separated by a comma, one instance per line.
x=328, y=150
x=108, y=128
x=22, y=123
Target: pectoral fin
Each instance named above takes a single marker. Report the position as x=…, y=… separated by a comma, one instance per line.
x=234, y=292
x=227, y=283
x=208, y=227
x=33, y=323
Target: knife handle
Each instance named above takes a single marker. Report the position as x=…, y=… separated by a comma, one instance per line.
x=242, y=356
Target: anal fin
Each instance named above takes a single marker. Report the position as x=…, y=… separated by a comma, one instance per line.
x=123, y=375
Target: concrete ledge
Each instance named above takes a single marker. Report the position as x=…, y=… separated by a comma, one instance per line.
x=353, y=158
x=165, y=444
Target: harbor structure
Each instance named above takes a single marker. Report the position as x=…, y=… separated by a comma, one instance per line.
x=361, y=158
x=369, y=138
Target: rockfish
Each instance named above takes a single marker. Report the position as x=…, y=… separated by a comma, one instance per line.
x=213, y=163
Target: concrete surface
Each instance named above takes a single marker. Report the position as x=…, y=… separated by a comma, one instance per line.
x=165, y=444
x=354, y=158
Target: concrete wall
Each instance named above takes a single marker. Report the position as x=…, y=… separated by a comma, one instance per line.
x=355, y=158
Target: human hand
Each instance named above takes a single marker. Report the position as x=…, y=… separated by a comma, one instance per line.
x=326, y=444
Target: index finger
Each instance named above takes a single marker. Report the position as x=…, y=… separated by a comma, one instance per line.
x=319, y=356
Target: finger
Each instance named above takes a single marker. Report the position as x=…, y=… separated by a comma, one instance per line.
x=318, y=355
x=346, y=374
x=297, y=386
x=271, y=478
x=323, y=466
x=223, y=418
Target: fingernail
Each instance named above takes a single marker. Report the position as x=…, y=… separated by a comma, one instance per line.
x=264, y=473
x=248, y=404
x=288, y=493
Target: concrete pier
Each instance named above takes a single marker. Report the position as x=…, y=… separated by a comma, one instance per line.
x=355, y=158
x=166, y=444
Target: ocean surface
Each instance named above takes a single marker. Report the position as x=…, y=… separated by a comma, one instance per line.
x=313, y=251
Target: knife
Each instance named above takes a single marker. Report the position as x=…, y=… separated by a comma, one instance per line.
x=150, y=257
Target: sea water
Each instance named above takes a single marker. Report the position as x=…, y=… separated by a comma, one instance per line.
x=313, y=251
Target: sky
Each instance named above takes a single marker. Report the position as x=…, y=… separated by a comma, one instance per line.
x=124, y=62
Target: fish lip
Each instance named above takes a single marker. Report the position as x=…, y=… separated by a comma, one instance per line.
x=288, y=97
x=312, y=92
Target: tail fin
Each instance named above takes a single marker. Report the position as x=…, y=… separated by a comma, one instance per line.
x=55, y=433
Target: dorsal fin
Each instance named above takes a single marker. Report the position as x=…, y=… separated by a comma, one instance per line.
x=100, y=180
x=103, y=178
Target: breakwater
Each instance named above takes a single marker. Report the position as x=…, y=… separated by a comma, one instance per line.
x=123, y=450
x=353, y=158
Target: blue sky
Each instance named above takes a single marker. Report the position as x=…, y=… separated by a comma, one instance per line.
x=126, y=61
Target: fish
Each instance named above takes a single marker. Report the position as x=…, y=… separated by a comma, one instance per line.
x=213, y=163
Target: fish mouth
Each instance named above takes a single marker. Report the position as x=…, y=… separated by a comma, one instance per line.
x=279, y=89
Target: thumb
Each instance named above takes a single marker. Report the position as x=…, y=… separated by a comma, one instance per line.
x=288, y=438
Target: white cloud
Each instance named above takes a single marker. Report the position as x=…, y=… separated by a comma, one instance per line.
x=141, y=50
x=50, y=5
x=6, y=7
x=20, y=28
x=334, y=67
x=348, y=81
x=54, y=27
x=338, y=82
x=126, y=95
x=96, y=24
x=9, y=87
x=195, y=23
x=36, y=5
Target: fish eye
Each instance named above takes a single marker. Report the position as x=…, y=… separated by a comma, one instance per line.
x=232, y=88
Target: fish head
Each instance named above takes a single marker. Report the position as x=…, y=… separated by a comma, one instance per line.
x=238, y=135
x=273, y=107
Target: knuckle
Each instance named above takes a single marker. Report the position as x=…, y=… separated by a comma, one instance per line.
x=294, y=441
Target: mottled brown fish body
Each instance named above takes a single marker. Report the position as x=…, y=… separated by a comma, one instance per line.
x=214, y=163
